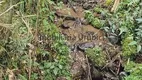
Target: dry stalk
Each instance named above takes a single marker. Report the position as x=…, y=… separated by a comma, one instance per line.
x=31, y=48
x=10, y=8
x=115, y=6
x=89, y=73
x=27, y=24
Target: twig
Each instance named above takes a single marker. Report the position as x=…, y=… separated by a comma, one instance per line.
x=1, y=73
x=89, y=73
x=30, y=65
x=113, y=72
x=119, y=64
x=11, y=12
x=116, y=3
x=111, y=60
x=27, y=24
x=10, y=8
x=37, y=21
x=107, y=53
x=31, y=48
x=27, y=16
x=1, y=2
x=70, y=3
x=5, y=25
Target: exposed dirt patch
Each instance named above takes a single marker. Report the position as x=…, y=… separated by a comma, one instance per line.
x=83, y=33
x=79, y=66
x=69, y=12
x=80, y=35
x=138, y=58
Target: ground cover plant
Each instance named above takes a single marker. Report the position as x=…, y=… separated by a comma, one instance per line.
x=33, y=44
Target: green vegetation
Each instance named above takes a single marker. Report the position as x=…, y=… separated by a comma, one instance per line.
x=108, y=2
x=129, y=46
x=97, y=56
x=24, y=44
x=94, y=21
x=29, y=50
x=126, y=22
x=135, y=69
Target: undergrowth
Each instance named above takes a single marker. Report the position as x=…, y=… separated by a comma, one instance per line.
x=26, y=51
x=96, y=56
x=124, y=22
x=135, y=69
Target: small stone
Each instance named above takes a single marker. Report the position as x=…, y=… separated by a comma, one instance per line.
x=67, y=24
x=113, y=39
x=84, y=46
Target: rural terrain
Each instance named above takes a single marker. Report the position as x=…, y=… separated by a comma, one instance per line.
x=70, y=39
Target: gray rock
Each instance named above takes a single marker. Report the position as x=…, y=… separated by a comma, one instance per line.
x=84, y=46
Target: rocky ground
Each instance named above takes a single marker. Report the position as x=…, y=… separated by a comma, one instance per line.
x=80, y=36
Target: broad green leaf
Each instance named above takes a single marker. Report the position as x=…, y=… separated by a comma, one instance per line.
x=47, y=65
x=122, y=29
x=139, y=20
x=52, y=66
x=133, y=43
x=60, y=66
x=55, y=71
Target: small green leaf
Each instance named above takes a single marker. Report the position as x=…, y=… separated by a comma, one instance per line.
x=122, y=29
x=41, y=67
x=35, y=64
x=45, y=23
x=132, y=43
x=60, y=66
x=52, y=67
x=138, y=48
x=47, y=65
x=55, y=71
